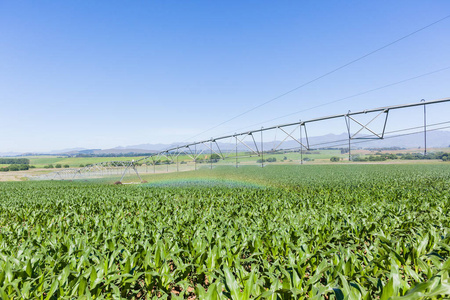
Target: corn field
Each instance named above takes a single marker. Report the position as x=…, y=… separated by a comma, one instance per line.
x=288, y=232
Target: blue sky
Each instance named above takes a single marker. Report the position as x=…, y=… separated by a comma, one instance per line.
x=99, y=74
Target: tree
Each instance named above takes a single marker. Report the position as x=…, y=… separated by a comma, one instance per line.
x=58, y=166
x=214, y=158
x=13, y=167
x=66, y=166
x=335, y=159
x=15, y=161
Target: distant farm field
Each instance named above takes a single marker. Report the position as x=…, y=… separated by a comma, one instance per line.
x=286, y=157
x=41, y=161
x=279, y=232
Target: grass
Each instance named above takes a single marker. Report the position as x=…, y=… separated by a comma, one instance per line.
x=41, y=161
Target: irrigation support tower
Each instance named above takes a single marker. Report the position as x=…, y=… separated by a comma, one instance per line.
x=246, y=140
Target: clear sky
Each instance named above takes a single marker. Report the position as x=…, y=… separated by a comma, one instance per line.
x=99, y=74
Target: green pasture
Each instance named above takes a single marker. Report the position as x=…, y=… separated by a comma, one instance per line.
x=311, y=156
x=41, y=161
x=73, y=162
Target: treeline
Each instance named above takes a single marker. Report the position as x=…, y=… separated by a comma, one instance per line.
x=58, y=166
x=270, y=159
x=406, y=156
x=16, y=167
x=14, y=161
x=434, y=155
x=374, y=157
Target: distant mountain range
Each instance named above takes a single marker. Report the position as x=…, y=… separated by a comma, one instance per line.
x=435, y=139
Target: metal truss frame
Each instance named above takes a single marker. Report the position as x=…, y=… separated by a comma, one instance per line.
x=243, y=139
x=290, y=135
x=365, y=126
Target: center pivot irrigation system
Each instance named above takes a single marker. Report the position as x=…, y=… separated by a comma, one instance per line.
x=294, y=136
